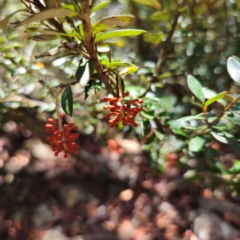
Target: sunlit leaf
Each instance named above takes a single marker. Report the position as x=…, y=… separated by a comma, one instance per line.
x=119, y=33
x=159, y=135
x=195, y=87
x=160, y=16
x=154, y=38
x=214, y=99
x=233, y=67
x=99, y=6
x=151, y=3
x=45, y=14
x=112, y=22
x=129, y=70
x=196, y=144
x=113, y=65
x=220, y=137
x=67, y=100
x=84, y=72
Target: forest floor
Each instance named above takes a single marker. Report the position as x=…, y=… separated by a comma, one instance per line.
x=107, y=192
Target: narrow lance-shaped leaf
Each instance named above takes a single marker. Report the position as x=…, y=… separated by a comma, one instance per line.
x=233, y=67
x=195, y=88
x=112, y=22
x=99, y=6
x=214, y=99
x=45, y=14
x=67, y=100
x=113, y=65
x=119, y=33
x=129, y=70
x=151, y=3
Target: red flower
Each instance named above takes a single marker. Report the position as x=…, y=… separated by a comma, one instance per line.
x=62, y=140
x=122, y=110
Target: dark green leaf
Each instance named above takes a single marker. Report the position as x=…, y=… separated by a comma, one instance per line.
x=92, y=84
x=149, y=115
x=146, y=127
x=195, y=87
x=67, y=100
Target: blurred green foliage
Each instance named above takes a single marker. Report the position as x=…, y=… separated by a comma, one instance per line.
x=184, y=53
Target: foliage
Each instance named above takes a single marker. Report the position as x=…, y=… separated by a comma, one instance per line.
x=176, y=67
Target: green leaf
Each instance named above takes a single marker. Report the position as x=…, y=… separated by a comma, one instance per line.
x=112, y=22
x=195, y=88
x=99, y=6
x=236, y=167
x=160, y=16
x=234, y=117
x=154, y=38
x=45, y=14
x=146, y=127
x=129, y=70
x=84, y=72
x=150, y=140
x=220, y=137
x=188, y=118
x=196, y=144
x=118, y=33
x=67, y=100
x=159, y=135
x=149, y=115
x=113, y=65
x=214, y=99
x=233, y=67
x=95, y=84
x=150, y=3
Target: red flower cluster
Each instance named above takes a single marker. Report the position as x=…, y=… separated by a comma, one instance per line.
x=62, y=140
x=121, y=110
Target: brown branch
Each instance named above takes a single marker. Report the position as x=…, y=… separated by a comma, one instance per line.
x=163, y=52
x=90, y=46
